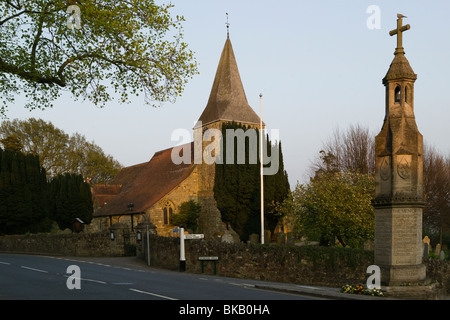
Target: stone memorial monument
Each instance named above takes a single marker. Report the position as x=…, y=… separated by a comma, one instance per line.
x=399, y=198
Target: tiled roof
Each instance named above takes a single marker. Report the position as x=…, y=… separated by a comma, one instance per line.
x=145, y=184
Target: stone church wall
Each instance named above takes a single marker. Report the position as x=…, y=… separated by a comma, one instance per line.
x=185, y=191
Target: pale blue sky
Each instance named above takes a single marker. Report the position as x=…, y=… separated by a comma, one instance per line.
x=316, y=63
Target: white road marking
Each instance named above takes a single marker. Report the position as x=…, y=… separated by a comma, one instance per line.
x=6, y=263
x=33, y=269
x=89, y=280
x=152, y=294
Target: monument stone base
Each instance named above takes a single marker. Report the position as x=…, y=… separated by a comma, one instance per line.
x=424, y=291
x=403, y=275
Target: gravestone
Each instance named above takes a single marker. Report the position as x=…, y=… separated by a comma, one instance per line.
x=426, y=243
x=227, y=237
x=281, y=238
x=369, y=245
x=425, y=250
x=442, y=255
x=437, y=250
x=254, y=238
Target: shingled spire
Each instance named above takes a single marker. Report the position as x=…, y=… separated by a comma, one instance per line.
x=227, y=101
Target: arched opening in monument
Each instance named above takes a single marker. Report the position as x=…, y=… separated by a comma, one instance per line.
x=398, y=94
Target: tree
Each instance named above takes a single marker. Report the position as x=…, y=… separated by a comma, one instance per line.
x=71, y=198
x=58, y=152
x=276, y=189
x=187, y=215
x=436, y=185
x=88, y=46
x=23, y=194
x=88, y=159
x=336, y=205
x=12, y=143
x=351, y=150
x=237, y=187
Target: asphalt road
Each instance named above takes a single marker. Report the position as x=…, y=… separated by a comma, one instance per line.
x=28, y=277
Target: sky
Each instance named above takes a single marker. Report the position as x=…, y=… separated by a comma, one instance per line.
x=319, y=65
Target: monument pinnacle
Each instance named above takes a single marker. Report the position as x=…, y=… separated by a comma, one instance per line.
x=399, y=32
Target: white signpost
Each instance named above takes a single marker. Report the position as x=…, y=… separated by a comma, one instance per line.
x=182, y=238
x=193, y=236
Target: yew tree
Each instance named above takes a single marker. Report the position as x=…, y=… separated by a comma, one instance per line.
x=98, y=50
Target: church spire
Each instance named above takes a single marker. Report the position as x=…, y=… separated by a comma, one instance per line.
x=227, y=100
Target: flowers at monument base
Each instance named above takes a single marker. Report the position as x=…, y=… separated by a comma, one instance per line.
x=359, y=289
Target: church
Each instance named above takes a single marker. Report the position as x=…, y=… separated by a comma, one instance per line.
x=153, y=191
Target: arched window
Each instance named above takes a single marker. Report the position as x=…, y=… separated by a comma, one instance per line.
x=168, y=212
x=398, y=94
x=166, y=216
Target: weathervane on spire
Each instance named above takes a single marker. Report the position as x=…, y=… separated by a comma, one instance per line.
x=228, y=27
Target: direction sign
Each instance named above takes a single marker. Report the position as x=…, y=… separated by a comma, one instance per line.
x=193, y=236
x=208, y=258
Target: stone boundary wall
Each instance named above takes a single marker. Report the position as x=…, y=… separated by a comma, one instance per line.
x=309, y=265
x=281, y=263
x=65, y=244
x=439, y=270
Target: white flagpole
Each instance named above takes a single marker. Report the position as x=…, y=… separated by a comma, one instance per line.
x=261, y=132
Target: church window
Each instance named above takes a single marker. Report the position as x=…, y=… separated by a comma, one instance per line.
x=166, y=217
x=398, y=94
x=406, y=94
x=167, y=212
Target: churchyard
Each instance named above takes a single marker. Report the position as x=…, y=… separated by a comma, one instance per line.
x=357, y=224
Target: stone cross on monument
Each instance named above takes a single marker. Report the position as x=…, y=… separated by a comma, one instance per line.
x=399, y=32
x=399, y=198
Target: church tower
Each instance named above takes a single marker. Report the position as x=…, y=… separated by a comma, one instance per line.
x=227, y=103
x=399, y=197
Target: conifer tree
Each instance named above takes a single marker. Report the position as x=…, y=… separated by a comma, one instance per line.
x=23, y=194
x=71, y=198
x=237, y=188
